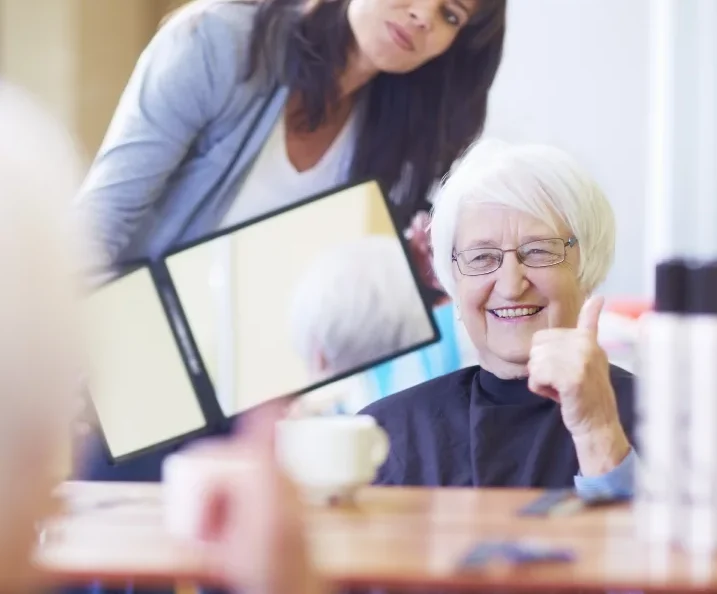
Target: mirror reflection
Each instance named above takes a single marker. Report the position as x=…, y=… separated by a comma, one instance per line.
x=325, y=289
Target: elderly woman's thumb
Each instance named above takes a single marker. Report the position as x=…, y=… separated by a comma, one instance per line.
x=590, y=314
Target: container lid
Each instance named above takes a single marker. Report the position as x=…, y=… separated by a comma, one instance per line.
x=671, y=286
x=703, y=288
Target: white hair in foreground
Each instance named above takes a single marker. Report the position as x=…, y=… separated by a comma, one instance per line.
x=358, y=302
x=540, y=180
x=39, y=175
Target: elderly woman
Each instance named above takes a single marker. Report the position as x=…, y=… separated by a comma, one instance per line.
x=521, y=236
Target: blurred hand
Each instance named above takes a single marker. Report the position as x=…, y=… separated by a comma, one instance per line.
x=419, y=242
x=83, y=421
x=569, y=366
x=253, y=523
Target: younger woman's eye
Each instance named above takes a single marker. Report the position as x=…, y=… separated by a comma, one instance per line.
x=451, y=17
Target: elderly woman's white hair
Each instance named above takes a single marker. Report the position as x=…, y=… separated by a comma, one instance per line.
x=356, y=303
x=540, y=180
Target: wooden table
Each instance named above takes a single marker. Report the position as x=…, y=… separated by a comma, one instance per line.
x=393, y=537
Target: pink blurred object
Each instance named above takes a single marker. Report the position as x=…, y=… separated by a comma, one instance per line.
x=619, y=329
x=629, y=307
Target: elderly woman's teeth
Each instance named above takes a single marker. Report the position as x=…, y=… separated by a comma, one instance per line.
x=515, y=312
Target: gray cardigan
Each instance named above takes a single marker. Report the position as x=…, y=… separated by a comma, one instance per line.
x=185, y=133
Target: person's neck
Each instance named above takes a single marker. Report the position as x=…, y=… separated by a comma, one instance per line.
x=358, y=73
x=505, y=370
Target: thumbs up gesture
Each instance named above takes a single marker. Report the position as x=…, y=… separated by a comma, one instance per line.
x=569, y=366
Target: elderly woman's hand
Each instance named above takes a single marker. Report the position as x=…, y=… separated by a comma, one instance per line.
x=568, y=366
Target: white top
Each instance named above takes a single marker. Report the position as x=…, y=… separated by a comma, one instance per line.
x=274, y=183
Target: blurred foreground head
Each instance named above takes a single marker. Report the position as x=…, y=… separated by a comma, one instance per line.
x=39, y=175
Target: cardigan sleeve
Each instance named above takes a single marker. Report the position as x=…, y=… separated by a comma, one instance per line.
x=180, y=84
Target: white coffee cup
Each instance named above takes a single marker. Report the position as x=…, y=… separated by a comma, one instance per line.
x=330, y=457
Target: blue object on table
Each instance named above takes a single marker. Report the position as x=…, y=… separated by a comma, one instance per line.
x=515, y=552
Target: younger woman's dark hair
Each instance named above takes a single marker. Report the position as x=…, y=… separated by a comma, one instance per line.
x=418, y=122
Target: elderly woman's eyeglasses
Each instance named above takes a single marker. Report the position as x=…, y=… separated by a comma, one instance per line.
x=534, y=254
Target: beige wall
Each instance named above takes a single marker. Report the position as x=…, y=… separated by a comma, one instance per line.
x=37, y=48
x=76, y=55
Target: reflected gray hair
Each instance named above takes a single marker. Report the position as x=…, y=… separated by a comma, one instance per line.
x=539, y=180
x=356, y=303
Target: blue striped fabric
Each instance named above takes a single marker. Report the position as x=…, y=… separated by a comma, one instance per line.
x=420, y=366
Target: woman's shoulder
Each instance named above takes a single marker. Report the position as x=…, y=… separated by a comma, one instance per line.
x=426, y=398
x=623, y=382
x=200, y=55
x=222, y=28
x=238, y=14
x=235, y=14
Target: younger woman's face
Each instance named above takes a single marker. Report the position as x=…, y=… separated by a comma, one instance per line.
x=401, y=35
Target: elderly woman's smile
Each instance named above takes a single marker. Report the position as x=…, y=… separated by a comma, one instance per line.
x=516, y=313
